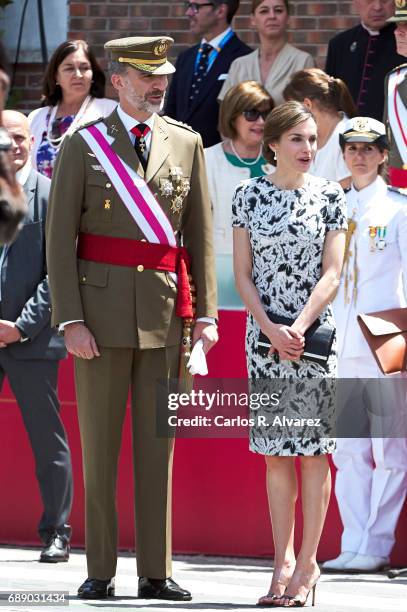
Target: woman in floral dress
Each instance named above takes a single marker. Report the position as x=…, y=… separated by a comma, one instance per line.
x=289, y=237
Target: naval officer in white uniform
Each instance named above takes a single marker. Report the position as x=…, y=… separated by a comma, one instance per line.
x=371, y=480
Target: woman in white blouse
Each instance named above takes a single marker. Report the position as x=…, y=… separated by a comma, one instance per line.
x=73, y=94
x=239, y=157
x=276, y=60
x=331, y=103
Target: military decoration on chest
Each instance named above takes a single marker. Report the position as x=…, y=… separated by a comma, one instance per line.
x=377, y=235
x=176, y=187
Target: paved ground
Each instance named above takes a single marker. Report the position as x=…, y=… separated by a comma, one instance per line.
x=216, y=584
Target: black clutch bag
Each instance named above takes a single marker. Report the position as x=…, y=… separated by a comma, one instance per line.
x=318, y=340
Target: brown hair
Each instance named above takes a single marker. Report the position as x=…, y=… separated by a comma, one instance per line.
x=232, y=5
x=256, y=3
x=280, y=120
x=51, y=92
x=313, y=83
x=245, y=96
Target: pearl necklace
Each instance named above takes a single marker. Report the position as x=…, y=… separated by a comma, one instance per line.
x=57, y=142
x=246, y=163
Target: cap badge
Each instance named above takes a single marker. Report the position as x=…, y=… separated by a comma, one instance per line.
x=161, y=47
x=400, y=4
x=361, y=124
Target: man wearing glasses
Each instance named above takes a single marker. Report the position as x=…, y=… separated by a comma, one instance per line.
x=202, y=69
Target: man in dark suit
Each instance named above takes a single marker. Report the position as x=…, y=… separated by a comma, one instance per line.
x=363, y=55
x=30, y=350
x=202, y=69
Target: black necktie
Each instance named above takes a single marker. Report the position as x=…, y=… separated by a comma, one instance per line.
x=140, y=131
x=200, y=71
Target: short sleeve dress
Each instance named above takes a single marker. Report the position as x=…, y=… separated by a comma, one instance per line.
x=287, y=230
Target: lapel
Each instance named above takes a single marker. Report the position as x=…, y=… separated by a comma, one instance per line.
x=122, y=144
x=187, y=74
x=159, y=148
x=280, y=68
x=29, y=190
x=220, y=65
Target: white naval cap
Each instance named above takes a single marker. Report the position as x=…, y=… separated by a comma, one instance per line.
x=363, y=129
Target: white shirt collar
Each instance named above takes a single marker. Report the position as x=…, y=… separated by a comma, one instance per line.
x=215, y=41
x=23, y=173
x=129, y=122
x=369, y=194
x=371, y=32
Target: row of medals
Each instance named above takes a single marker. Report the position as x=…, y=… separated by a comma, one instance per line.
x=377, y=235
x=176, y=187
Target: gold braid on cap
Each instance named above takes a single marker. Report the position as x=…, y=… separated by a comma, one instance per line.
x=144, y=62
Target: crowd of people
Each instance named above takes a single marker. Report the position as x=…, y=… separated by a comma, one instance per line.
x=260, y=178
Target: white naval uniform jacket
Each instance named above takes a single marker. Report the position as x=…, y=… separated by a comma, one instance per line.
x=382, y=274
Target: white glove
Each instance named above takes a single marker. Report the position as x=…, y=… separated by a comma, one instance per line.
x=197, y=361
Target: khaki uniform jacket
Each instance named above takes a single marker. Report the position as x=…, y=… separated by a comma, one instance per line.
x=395, y=159
x=124, y=307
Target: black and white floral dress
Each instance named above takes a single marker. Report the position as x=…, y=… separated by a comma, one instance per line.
x=287, y=229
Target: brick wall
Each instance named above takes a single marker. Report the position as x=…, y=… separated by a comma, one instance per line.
x=312, y=24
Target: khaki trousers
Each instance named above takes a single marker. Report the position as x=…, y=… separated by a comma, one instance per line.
x=102, y=386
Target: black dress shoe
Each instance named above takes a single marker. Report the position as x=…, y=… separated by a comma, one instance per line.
x=152, y=588
x=93, y=588
x=56, y=550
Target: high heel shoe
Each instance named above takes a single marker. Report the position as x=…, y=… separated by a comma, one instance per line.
x=271, y=599
x=296, y=602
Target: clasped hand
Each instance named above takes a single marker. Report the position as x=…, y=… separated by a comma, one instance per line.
x=287, y=341
x=9, y=333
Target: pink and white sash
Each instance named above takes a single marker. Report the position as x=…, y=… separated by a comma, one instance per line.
x=132, y=189
x=397, y=113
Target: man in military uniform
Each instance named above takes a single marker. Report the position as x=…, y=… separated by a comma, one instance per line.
x=130, y=189
x=395, y=109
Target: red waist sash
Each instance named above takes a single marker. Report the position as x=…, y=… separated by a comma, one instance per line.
x=397, y=177
x=132, y=253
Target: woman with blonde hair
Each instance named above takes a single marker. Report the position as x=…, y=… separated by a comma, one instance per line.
x=276, y=59
x=330, y=102
x=289, y=242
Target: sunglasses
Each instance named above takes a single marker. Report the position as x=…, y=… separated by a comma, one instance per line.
x=253, y=114
x=195, y=7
